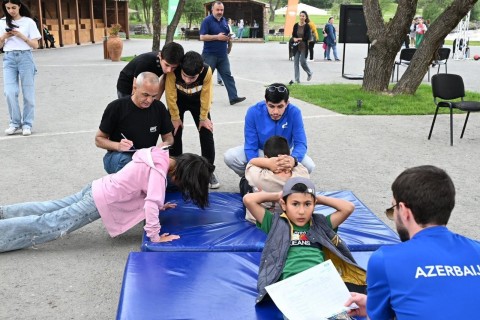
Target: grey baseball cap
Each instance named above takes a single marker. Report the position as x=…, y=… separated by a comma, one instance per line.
x=287, y=188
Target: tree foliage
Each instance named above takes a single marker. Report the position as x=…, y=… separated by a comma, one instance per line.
x=193, y=12
x=387, y=37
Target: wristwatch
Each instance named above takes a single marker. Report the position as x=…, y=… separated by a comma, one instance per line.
x=296, y=162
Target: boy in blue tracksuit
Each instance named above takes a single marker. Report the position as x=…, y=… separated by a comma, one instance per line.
x=274, y=116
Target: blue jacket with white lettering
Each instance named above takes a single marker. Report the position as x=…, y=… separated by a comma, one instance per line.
x=434, y=275
x=259, y=126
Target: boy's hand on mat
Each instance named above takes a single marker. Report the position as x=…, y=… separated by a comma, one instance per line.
x=167, y=237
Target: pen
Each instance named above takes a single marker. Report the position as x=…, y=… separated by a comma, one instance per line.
x=126, y=139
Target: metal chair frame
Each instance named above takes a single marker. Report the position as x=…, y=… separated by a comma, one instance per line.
x=449, y=87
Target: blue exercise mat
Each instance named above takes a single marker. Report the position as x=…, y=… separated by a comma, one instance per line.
x=222, y=226
x=194, y=285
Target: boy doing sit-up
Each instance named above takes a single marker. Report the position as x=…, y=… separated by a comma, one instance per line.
x=297, y=239
x=265, y=173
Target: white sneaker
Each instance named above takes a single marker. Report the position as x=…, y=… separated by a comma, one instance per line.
x=26, y=131
x=214, y=184
x=11, y=130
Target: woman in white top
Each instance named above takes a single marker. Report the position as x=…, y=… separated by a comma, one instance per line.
x=18, y=36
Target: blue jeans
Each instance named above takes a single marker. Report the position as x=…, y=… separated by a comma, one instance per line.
x=114, y=161
x=300, y=58
x=334, y=49
x=19, y=65
x=240, y=33
x=27, y=224
x=236, y=160
x=222, y=64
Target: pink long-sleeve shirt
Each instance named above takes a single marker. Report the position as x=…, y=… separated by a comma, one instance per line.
x=135, y=193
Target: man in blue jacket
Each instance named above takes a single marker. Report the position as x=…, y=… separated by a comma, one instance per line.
x=273, y=117
x=434, y=273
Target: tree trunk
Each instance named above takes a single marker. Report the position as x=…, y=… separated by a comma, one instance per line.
x=434, y=37
x=137, y=13
x=146, y=13
x=272, y=12
x=386, y=40
x=157, y=24
x=174, y=23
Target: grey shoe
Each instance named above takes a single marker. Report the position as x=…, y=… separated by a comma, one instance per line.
x=310, y=76
x=214, y=184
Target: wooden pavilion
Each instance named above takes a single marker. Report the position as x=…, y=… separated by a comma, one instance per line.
x=248, y=10
x=79, y=21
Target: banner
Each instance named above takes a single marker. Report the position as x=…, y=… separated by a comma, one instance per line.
x=290, y=17
x=172, y=7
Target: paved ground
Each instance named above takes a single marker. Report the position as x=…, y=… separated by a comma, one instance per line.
x=80, y=275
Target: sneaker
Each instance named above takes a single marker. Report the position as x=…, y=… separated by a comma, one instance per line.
x=220, y=83
x=291, y=82
x=338, y=60
x=11, y=130
x=310, y=76
x=26, y=131
x=214, y=184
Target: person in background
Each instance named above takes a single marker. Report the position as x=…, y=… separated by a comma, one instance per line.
x=420, y=32
x=189, y=88
x=48, y=38
x=434, y=273
x=121, y=200
x=159, y=63
x=214, y=32
x=134, y=122
x=413, y=32
x=301, y=35
x=241, y=25
x=18, y=36
x=254, y=29
x=313, y=38
x=331, y=39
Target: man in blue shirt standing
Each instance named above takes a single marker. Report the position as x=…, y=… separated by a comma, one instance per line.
x=275, y=116
x=215, y=34
x=434, y=273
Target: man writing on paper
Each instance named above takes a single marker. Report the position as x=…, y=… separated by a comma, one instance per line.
x=134, y=122
x=435, y=273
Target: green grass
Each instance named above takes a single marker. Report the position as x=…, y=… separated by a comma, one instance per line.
x=342, y=98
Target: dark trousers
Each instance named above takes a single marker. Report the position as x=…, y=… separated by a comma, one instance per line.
x=49, y=38
x=311, y=44
x=207, y=144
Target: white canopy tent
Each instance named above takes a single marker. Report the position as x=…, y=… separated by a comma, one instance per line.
x=303, y=7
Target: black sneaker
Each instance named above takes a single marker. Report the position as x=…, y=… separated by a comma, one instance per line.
x=237, y=100
x=220, y=83
x=214, y=184
x=244, y=186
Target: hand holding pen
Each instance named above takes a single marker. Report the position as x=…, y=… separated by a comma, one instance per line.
x=125, y=144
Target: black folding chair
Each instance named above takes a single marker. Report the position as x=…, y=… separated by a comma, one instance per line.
x=406, y=56
x=271, y=34
x=449, y=87
x=440, y=59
